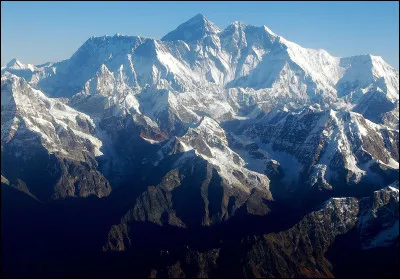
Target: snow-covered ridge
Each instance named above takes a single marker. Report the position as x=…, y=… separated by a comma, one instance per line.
x=55, y=123
x=268, y=68
x=208, y=140
x=325, y=143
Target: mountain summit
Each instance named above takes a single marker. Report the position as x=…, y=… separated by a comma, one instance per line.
x=192, y=30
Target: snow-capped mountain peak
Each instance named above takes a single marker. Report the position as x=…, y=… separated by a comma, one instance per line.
x=195, y=29
x=14, y=64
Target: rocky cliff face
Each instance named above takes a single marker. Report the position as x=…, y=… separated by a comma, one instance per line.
x=301, y=250
x=48, y=145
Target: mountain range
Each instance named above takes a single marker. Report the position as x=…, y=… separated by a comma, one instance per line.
x=180, y=156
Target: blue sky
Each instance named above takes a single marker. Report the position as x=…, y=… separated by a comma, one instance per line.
x=37, y=32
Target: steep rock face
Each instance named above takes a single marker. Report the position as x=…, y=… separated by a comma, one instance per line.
x=190, y=193
x=209, y=140
x=197, y=181
x=300, y=250
x=379, y=219
x=329, y=148
x=60, y=128
x=53, y=145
